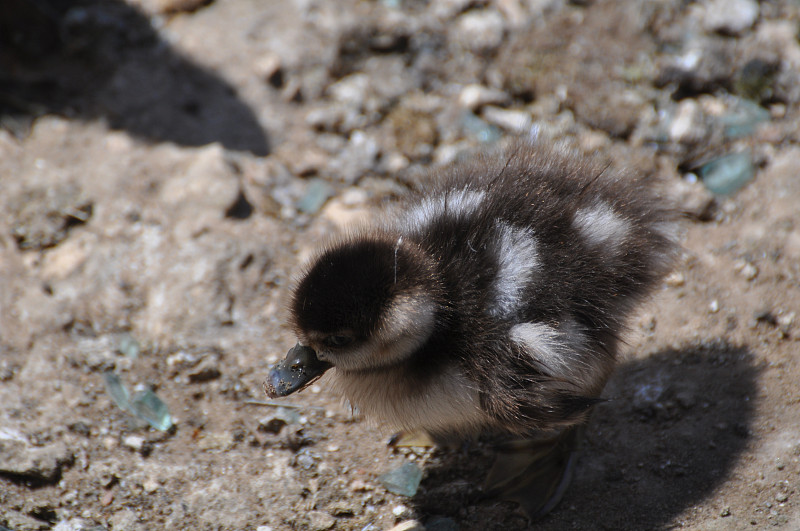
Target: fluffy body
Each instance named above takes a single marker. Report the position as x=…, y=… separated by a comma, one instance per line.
x=492, y=299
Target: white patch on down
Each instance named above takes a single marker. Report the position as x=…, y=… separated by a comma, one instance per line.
x=562, y=351
x=601, y=226
x=454, y=203
x=518, y=260
x=545, y=344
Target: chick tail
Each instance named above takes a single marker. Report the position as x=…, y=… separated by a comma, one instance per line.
x=535, y=473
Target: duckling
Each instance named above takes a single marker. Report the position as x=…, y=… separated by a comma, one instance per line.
x=490, y=302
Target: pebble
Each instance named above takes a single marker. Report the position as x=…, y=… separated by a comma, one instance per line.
x=727, y=174
x=688, y=123
x=713, y=306
x=341, y=508
x=518, y=122
x=134, y=442
x=320, y=521
x=479, y=30
x=748, y=270
x=675, y=279
x=781, y=497
x=42, y=463
x=220, y=441
x=476, y=96
x=730, y=16
x=208, y=369
x=408, y=525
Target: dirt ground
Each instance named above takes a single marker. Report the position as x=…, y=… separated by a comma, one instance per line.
x=165, y=166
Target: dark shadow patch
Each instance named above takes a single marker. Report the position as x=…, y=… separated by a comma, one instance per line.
x=670, y=433
x=92, y=59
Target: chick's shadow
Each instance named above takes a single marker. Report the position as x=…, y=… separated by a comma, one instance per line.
x=671, y=431
x=92, y=59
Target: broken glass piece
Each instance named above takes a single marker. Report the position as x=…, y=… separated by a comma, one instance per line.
x=403, y=480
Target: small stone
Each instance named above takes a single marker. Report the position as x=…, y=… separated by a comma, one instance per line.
x=514, y=121
x=403, y=480
x=107, y=498
x=474, y=97
x=730, y=16
x=150, y=485
x=317, y=193
x=408, y=525
x=726, y=511
x=748, y=271
x=675, y=279
x=781, y=497
x=713, y=306
x=727, y=174
x=134, y=442
x=320, y=521
x=360, y=486
x=478, y=129
x=742, y=117
x=219, y=441
x=401, y=511
x=479, y=30
x=279, y=418
x=206, y=370
x=341, y=508
x=688, y=125
x=39, y=463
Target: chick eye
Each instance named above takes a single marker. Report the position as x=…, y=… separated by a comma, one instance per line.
x=337, y=341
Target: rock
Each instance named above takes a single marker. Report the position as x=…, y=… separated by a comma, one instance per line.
x=134, y=442
x=320, y=521
x=208, y=369
x=16, y=521
x=475, y=96
x=317, y=193
x=206, y=184
x=218, y=441
x=479, y=30
x=727, y=174
x=357, y=158
x=408, y=525
x=730, y=17
x=78, y=524
x=518, y=122
x=341, y=508
x=277, y=419
x=43, y=463
x=688, y=124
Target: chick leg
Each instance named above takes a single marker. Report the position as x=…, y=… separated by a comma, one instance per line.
x=535, y=473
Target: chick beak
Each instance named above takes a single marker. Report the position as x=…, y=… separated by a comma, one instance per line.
x=297, y=371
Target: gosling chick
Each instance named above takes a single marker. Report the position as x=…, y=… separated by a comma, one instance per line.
x=490, y=301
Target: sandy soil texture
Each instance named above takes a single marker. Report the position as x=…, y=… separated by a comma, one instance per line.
x=166, y=165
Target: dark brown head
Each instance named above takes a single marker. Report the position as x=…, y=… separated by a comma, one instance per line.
x=366, y=302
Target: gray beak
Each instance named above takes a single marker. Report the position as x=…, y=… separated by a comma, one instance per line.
x=297, y=371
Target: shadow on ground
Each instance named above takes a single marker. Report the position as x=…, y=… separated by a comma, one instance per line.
x=671, y=432
x=93, y=59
